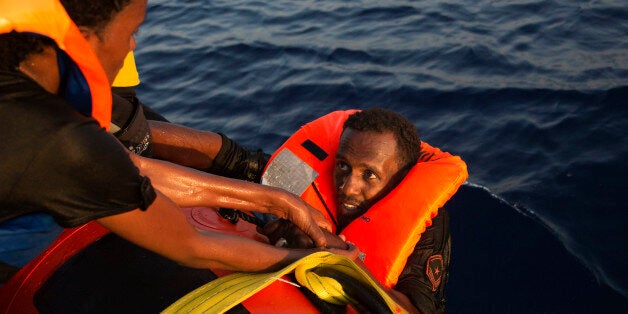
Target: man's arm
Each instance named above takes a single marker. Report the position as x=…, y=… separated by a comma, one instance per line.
x=426, y=272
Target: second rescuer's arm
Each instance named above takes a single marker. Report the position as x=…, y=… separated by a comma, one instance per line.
x=163, y=228
x=188, y=187
x=184, y=146
x=207, y=151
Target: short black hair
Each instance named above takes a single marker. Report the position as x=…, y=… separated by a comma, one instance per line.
x=94, y=14
x=382, y=120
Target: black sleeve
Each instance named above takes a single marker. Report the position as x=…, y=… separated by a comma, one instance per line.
x=130, y=127
x=129, y=94
x=427, y=269
x=82, y=173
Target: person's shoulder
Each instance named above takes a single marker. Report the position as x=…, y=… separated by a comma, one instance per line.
x=85, y=141
x=38, y=121
x=25, y=102
x=15, y=86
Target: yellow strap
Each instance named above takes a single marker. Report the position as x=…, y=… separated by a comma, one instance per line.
x=128, y=76
x=222, y=294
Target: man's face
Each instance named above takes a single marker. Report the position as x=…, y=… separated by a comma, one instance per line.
x=117, y=39
x=367, y=168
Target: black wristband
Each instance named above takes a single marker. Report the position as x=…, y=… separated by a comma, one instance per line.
x=237, y=162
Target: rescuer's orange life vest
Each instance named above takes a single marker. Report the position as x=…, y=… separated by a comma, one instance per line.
x=49, y=18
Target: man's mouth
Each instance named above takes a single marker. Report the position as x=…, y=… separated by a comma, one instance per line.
x=349, y=205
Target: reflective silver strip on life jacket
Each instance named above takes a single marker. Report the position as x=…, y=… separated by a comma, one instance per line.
x=289, y=172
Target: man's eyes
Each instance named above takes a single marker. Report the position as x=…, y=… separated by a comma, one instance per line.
x=369, y=175
x=342, y=166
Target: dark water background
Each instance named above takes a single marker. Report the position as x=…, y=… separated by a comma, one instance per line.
x=532, y=94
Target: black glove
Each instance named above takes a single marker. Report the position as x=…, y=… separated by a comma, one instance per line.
x=237, y=162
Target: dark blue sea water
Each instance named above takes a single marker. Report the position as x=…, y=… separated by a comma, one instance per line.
x=532, y=94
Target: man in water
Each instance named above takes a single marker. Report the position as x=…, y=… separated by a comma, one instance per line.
x=376, y=151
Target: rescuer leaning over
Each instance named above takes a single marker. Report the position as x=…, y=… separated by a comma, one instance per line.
x=57, y=64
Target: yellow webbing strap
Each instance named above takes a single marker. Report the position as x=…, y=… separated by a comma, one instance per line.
x=222, y=294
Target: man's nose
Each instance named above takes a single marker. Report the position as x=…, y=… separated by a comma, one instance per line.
x=350, y=185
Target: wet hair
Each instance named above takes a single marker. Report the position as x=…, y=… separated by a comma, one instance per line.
x=383, y=120
x=96, y=15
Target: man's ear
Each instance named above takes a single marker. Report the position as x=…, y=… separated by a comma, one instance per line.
x=398, y=177
x=86, y=32
x=90, y=35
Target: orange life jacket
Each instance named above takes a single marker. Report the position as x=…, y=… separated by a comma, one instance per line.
x=389, y=230
x=49, y=18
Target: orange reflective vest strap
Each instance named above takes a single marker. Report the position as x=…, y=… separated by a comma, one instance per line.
x=388, y=232
x=49, y=18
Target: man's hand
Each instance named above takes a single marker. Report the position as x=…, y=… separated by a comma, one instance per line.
x=284, y=233
x=351, y=251
x=310, y=221
x=188, y=188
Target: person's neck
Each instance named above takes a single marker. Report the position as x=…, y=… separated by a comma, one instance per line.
x=43, y=69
